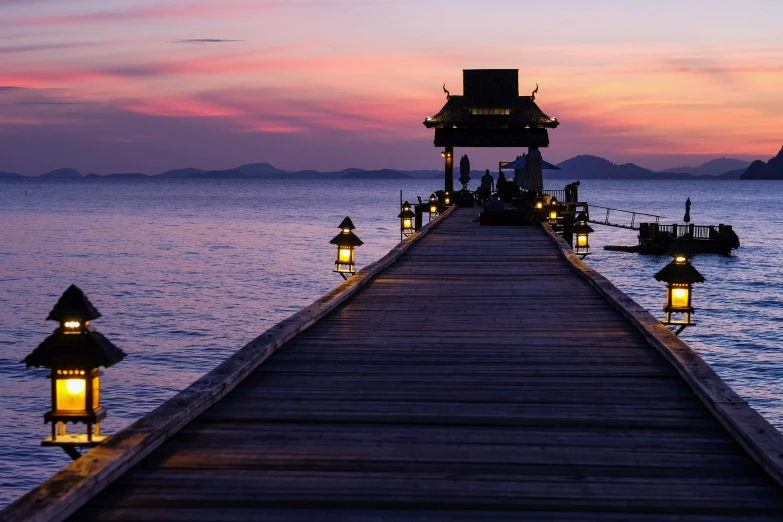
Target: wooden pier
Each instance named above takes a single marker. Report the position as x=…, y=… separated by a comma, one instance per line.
x=476, y=373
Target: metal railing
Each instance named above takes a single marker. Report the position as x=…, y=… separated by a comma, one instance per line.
x=696, y=231
x=606, y=221
x=558, y=194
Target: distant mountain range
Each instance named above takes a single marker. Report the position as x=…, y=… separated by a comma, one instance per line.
x=580, y=167
x=714, y=167
x=593, y=167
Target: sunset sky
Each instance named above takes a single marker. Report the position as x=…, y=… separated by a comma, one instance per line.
x=145, y=86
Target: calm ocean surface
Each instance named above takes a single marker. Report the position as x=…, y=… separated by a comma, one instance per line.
x=186, y=272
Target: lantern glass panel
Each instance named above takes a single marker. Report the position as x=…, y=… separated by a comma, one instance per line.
x=406, y=223
x=433, y=209
x=553, y=214
x=96, y=392
x=71, y=395
x=581, y=240
x=680, y=296
x=345, y=254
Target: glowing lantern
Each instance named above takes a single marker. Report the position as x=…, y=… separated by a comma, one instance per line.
x=581, y=232
x=539, y=204
x=679, y=275
x=406, y=220
x=346, y=242
x=74, y=354
x=552, y=212
x=447, y=199
x=433, y=204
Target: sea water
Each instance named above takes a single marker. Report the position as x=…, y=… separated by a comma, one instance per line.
x=185, y=272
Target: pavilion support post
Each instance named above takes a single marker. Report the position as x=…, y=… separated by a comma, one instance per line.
x=449, y=169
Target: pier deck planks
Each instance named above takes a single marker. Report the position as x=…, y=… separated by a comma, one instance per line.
x=477, y=378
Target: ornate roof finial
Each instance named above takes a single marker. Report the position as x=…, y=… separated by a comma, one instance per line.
x=533, y=96
x=448, y=96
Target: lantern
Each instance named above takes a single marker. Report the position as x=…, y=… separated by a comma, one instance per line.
x=346, y=242
x=581, y=232
x=539, y=204
x=552, y=212
x=445, y=154
x=446, y=198
x=679, y=275
x=406, y=220
x=433, y=204
x=74, y=353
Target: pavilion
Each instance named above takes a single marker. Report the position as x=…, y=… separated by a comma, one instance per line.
x=490, y=113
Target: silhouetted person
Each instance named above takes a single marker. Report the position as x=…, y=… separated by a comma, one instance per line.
x=501, y=186
x=487, y=185
x=572, y=192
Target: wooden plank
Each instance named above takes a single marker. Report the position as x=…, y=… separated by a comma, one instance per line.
x=363, y=514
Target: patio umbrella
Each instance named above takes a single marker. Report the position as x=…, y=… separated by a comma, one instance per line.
x=521, y=163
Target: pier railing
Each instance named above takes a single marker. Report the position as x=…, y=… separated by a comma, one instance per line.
x=696, y=231
x=558, y=194
x=602, y=217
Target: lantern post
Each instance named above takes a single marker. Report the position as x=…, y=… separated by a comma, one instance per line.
x=552, y=212
x=433, y=207
x=679, y=276
x=74, y=353
x=581, y=231
x=406, y=220
x=346, y=242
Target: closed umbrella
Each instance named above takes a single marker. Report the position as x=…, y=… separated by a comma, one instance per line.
x=534, y=179
x=464, y=171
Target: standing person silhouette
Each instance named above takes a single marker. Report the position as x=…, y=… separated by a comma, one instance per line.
x=501, y=186
x=487, y=186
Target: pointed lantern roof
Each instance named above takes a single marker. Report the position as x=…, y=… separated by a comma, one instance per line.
x=406, y=213
x=69, y=351
x=581, y=226
x=73, y=304
x=347, y=223
x=682, y=273
x=88, y=349
x=347, y=239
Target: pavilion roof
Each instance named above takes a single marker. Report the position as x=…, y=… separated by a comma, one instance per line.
x=523, y=113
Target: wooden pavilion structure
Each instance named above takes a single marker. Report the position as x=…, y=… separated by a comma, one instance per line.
x=490, y=113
